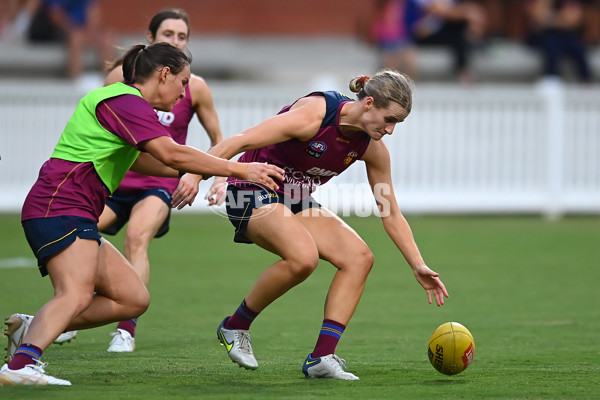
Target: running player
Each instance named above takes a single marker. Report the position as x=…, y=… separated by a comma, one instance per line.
x=314, y=139
x=113, y=129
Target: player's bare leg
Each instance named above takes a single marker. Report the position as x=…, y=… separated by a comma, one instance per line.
x=147, y=216
x=274, y=228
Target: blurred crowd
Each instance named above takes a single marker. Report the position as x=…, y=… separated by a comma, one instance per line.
x=76, y=23
x=558, y=30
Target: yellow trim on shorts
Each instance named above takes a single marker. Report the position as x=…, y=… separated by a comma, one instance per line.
x=242, y=219
x=54, y=241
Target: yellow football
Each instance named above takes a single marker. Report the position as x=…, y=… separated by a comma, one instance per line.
x=451, y=348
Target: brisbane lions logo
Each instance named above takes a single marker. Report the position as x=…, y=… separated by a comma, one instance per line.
x=316, y=149
x=350, y=158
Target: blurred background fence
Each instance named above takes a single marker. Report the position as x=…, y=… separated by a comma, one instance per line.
x=484, y=149
x=514, y=140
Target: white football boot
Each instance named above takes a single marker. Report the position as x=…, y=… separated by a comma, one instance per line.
x=329, y=366
x=29, y=375
x=122, y=342
x=238, y=345
x=17, y=326
x=65, y=337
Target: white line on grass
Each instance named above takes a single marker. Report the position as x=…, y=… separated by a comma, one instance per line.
x=17, y=262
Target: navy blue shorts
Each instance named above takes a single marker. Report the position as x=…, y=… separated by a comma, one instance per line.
x=49, y=236
x=241, y=203
x=122, y=203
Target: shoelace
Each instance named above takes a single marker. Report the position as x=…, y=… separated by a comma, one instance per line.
x=340, y=361
x=244, y=339
x=38, y=366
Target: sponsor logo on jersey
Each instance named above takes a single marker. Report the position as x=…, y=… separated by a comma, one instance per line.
x=339, y=139
x=321, y=172
x=166, y=118
x=310, y=179
x=316, y=149
x=350, y=158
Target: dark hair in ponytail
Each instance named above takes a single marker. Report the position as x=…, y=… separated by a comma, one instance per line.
x=141, y=61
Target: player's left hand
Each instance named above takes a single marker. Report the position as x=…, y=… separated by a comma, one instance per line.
x=186, y=191
x=431, y=283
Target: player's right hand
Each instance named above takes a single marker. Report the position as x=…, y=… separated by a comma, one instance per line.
x=431, y=283
x=263, y=174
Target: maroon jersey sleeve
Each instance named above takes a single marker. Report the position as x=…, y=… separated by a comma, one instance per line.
x=131, y=118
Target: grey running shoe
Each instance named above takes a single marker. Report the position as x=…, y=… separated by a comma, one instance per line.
x=30, y=375
x=237, y=343
x=17, y=326
x=329, y=366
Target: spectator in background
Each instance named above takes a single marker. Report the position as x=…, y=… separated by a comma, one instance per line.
x=457, y=24
x=388, y=32
x=557, y=32
x=17, y=17
x=80, y=23
x=591, y=21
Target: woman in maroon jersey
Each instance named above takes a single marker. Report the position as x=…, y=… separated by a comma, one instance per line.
x=142, y=201
x=113, y=128
x=314, y=139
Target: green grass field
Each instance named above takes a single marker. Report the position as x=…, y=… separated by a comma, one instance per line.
x=526, y=288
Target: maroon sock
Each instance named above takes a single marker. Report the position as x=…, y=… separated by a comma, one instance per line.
x=330, y=335
x=128, y=326
x=26, y=354
x=242, y=318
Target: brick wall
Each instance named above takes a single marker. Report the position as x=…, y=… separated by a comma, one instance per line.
x=244, y=17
